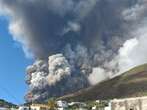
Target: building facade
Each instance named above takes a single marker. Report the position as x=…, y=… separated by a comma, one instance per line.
x=39, y=107
x=138, y=103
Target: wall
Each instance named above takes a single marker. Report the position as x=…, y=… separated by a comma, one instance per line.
x=138, y=103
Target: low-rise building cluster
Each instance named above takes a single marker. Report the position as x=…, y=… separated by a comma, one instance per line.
x=137, y=103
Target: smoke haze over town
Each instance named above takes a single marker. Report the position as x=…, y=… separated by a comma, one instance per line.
x=76, y=43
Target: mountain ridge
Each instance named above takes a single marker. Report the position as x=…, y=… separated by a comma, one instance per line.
x=6, y=104
x=131, y=83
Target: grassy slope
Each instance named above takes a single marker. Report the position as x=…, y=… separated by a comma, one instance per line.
x=130, y=84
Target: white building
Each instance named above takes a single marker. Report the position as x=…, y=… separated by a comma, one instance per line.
x=62, y=105
x=94, y=108
x=138, y=103
x=39, y=107
x=108, y=107
x=80, y=104
x=23, y=108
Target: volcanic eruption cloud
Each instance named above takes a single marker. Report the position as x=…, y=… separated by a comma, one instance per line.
x=76, y=43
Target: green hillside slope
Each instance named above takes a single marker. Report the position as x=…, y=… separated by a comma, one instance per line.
x=130, y=84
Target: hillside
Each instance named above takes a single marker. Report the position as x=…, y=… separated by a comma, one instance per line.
x=6, y=104
x=130, y=84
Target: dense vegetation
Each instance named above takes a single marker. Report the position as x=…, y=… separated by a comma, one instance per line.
x=6, y=104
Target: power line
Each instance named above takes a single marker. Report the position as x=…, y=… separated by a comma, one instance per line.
x=9, y=93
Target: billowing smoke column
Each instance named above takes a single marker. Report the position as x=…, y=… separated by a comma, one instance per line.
x=76, y=43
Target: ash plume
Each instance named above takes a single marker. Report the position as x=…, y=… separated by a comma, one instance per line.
x=76, y=43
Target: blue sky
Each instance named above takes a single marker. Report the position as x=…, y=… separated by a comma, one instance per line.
x=12, y=66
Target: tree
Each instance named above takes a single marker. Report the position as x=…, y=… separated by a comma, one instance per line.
x=52, y=104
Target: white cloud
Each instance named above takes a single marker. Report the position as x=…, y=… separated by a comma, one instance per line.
x=58, y=68
x=97, y=75
x=134, y=51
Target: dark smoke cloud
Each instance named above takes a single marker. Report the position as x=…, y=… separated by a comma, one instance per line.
x=76, y=43
x=42, y=23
